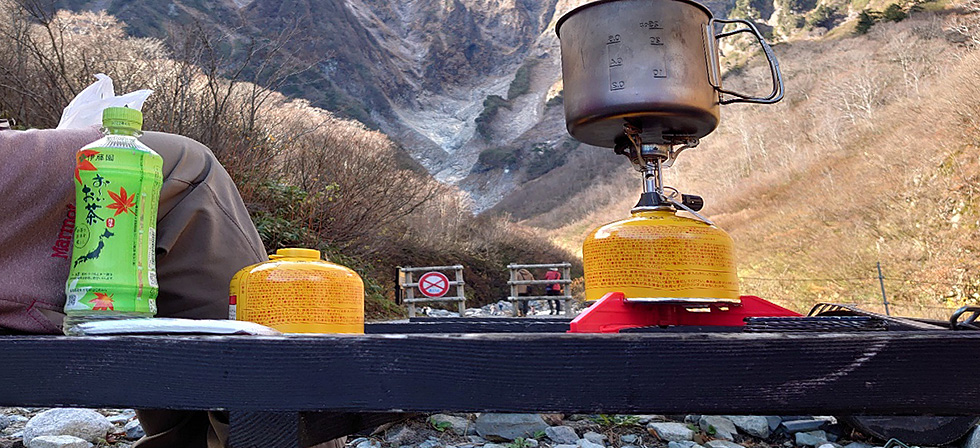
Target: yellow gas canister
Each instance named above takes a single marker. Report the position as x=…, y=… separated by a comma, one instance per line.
x=297, y=292
x=656, y=254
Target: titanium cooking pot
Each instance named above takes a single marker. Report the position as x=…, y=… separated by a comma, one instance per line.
x=652, y=64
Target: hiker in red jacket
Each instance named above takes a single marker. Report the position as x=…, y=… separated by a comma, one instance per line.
x=553, y=289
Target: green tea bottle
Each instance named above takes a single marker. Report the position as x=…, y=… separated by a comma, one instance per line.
x=117, y=191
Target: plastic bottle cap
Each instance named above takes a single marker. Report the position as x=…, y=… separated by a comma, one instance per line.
x=122, y=117
x=296, y=252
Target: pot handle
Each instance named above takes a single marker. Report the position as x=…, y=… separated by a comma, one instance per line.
x=777, y=77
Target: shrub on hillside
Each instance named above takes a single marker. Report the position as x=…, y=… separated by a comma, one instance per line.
x=495, y=158
x=823, y=16
x=801, y=5
x=522, y=80
x=544, y=158
x=491, y=105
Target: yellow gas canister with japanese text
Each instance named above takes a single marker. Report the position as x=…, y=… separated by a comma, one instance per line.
x=297, y=292
x=656, y=254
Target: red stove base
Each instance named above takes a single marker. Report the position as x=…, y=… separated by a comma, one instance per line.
x=614, y=312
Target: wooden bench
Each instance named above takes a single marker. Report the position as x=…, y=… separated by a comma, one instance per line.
x=300, y=390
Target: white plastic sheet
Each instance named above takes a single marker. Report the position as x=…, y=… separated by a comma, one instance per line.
x=86, y=108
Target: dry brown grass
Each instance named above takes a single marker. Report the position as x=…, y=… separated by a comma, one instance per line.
x=872, y=157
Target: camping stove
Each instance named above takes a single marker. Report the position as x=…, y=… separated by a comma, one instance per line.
x=659, y=268
x=650, y=92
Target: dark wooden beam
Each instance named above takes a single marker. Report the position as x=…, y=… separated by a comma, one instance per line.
x=900, y=373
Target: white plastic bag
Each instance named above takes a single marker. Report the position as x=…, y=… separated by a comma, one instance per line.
x=86, y=108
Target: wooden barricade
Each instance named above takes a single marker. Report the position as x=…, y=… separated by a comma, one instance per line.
x=408, y=286
x=565, y=280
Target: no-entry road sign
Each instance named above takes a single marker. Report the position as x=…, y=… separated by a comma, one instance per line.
x=433, y=284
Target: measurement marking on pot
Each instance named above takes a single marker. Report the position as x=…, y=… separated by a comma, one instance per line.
x=651, y=24
x=656, y=40
x=660, y=73
x=617, y=62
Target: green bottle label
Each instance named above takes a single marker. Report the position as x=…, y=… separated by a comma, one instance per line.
x=113, y=262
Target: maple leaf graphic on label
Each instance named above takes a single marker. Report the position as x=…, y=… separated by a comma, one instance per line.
x=102, y=301
x=82, y=163
x=122, y=203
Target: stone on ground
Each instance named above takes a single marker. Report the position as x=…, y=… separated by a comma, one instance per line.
x=58, y=442
x=670, y=432
x=718, y=427
x=973, y=440
x=586, y=443
x=630, y=439
x=85, y=424
x=595, y=438
x=806, y=425
x=458, y=425
x=753, y=425
x=368, y=443
x=647, y=418
x=505, y=427
x=774, y=422
x=812, y=438
x=134, y=430
x=684, y=444
x=122, y=417
x=431, y=443
x=562, y=435
x=4, y=421
x=723, y=444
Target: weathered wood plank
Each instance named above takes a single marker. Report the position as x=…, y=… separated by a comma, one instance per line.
x=535, y=266
x=431, y=268
x=901, y=373
x=435, y=299
x=540, y=282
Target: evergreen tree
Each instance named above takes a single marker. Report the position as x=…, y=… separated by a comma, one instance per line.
x=865, y=20
x=894, y=13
